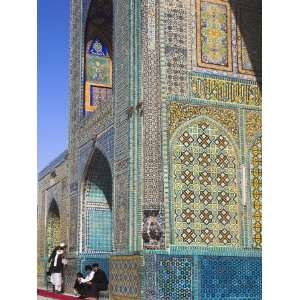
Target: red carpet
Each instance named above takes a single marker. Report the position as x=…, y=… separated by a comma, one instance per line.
x=48, y=294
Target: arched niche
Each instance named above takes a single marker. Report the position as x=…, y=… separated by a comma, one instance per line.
x=97, y=201
x=53, y=227
x=98, y=53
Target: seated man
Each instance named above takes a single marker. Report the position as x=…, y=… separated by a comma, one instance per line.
x=83, y=284
x=98, y=283
x=90, y=274
x=79, y=289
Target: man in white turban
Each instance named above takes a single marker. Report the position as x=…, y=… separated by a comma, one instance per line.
x=57, y=262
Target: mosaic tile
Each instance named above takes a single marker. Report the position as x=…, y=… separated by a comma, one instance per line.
x=151, y=108
x=213, y=19
x=175, y=277
x=230, y=278
x=98, y=230
x=206, y=167
x=98, y=75
x=253, y=125
x=97, y=219
x=150, y=282
x=175, y=25
x=124, y=278
x=256, y=192
x=222, y=89
x=180, y=113
x=205, y=191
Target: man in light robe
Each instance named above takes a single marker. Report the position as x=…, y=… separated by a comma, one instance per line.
x=57, y=262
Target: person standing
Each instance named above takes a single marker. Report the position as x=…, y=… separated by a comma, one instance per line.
x=57, y=262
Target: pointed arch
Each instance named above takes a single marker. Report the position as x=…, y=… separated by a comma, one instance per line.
x=53, y=226
x=98, y=55
x=97, y=204
x=205, y=201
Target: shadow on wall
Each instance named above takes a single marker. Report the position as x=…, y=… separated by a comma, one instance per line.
x=248, y=15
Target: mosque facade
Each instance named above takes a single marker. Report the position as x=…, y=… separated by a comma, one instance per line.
x=161, y=181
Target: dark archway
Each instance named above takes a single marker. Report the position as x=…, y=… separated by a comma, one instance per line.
x=53, y=227
x=98, y=204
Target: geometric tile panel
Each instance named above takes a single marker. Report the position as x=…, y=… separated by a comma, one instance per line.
x=175, y=277
x=230, y=278
x=214, y=34
x=99, y=229
x=205, y=191
x=124, y=277
x=256, y=192
x=150, y=272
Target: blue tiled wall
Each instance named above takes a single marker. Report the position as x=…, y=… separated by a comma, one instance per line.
x=230, y=278
x=99, y=230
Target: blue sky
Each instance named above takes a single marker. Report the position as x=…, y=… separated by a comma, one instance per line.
x=53, y=60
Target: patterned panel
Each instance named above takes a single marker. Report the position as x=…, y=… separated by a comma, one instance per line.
x=53, y=228
x=84, y=153
x=180, y=113
x=151, y=109
x=121, y=226
x=214, y=34
x=175, y=277
x=69, y=272
x=99, y=229
x=256, y=193
x=150, y=282
x=230, y=278
x=98, y=75
x=121, y=105
x=124, y=278
x=204, y=175
x=106, y=145
x=249, y=37
x=253, y=123
x=175, y=25
x=224, y=89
